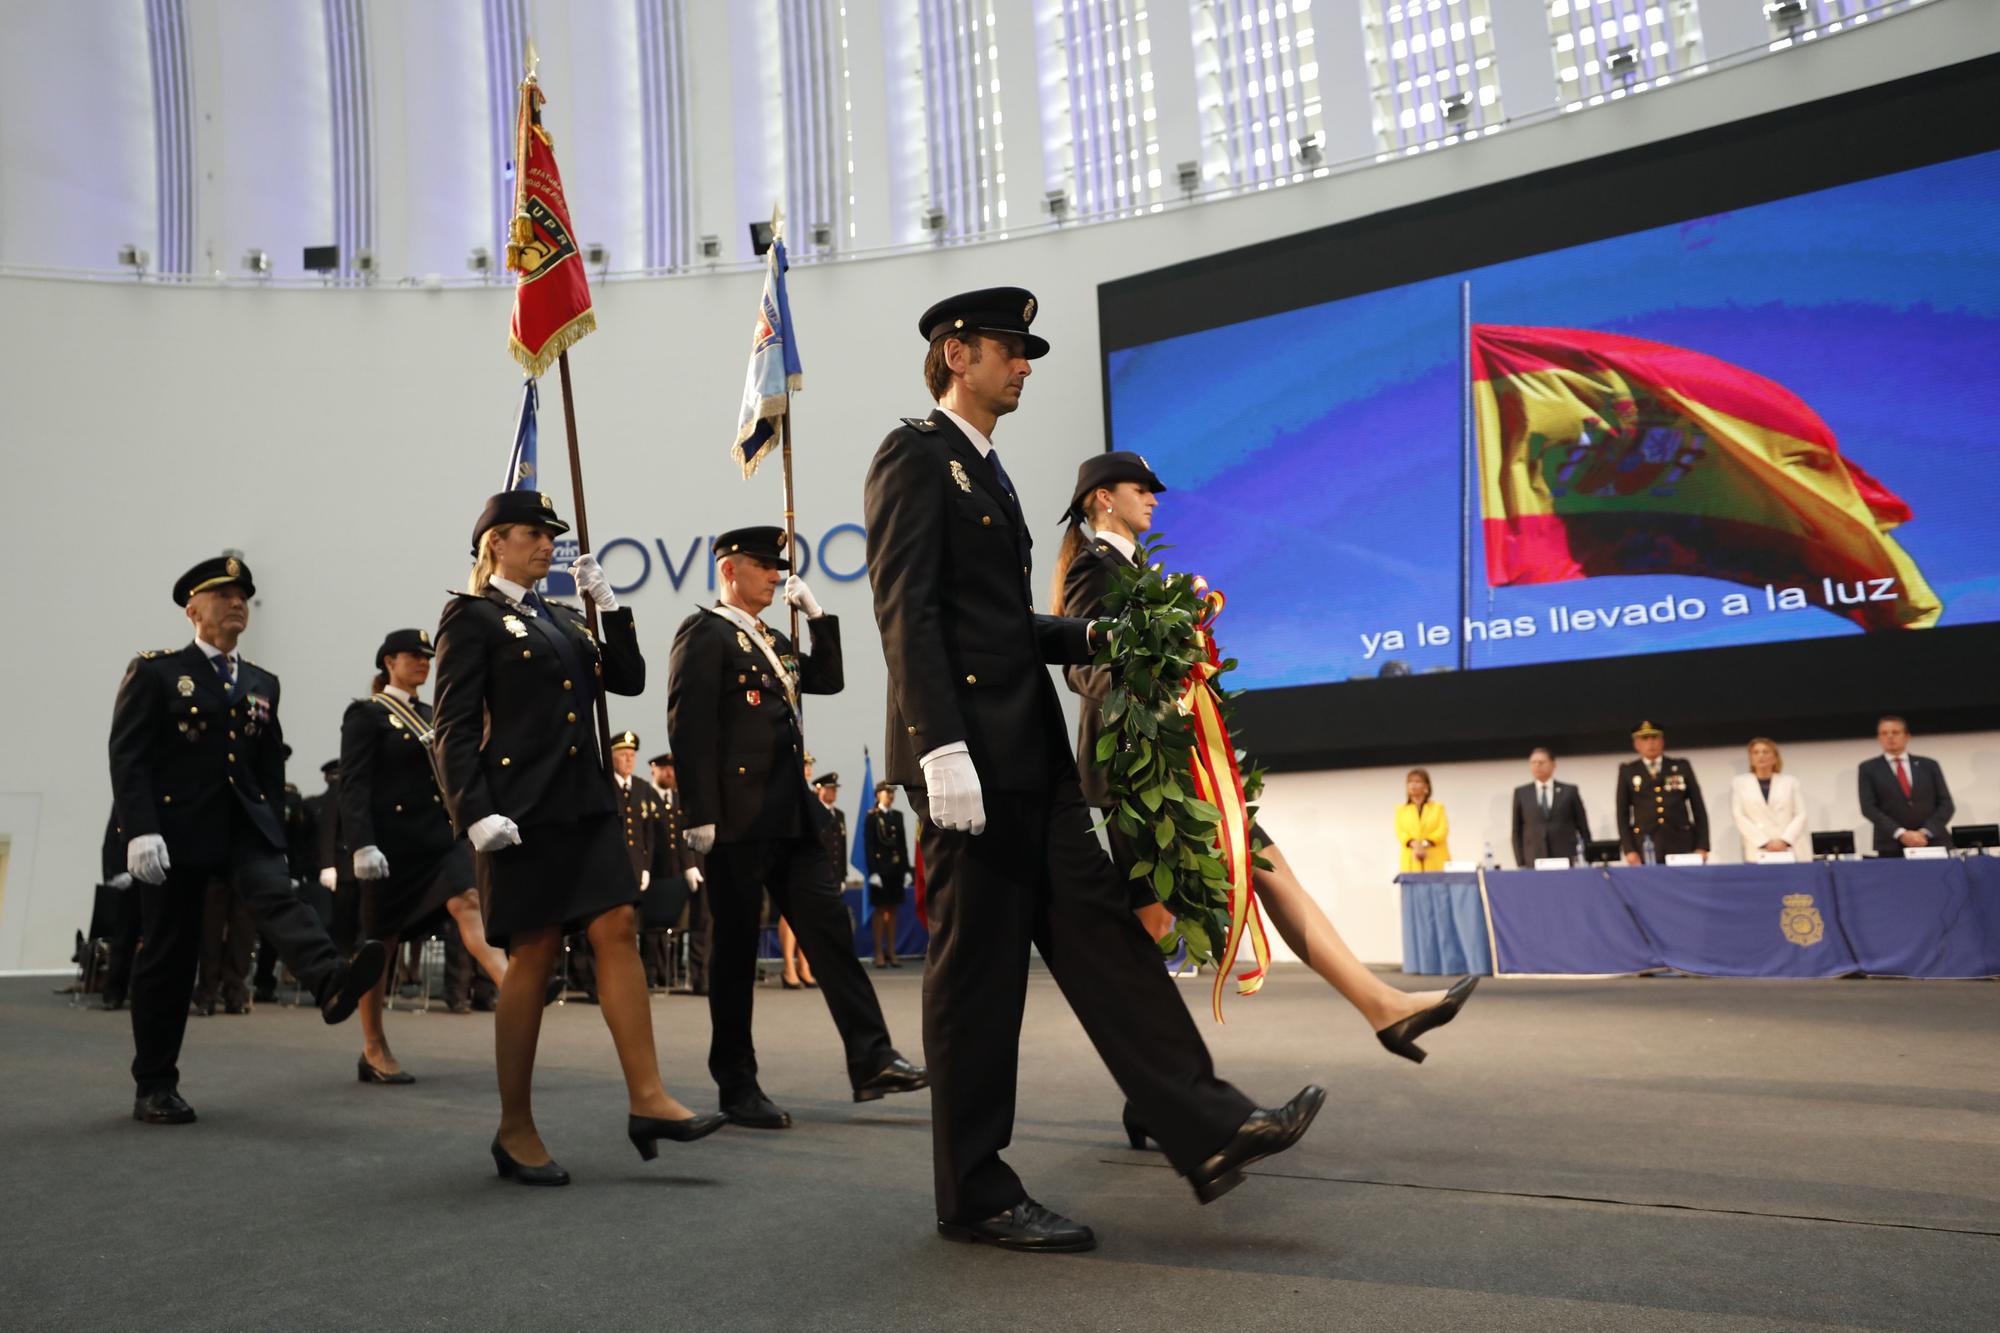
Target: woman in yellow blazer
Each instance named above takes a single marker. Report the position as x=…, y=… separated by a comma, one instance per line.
x=1421, y=826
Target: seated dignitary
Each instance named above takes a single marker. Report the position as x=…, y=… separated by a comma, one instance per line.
x=976, y=733
x=197, y=775
x=1660, y=809
x=887, y=845
x=518, y=678
x=410, y=865
x=1768, y=807
x=1548, y=815
x=1903, y=795
x=694, y=923
x=733, y=721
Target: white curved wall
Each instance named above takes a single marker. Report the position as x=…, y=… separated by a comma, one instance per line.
x=344, y=439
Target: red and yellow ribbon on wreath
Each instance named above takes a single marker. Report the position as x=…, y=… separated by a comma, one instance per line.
x=1218, y=781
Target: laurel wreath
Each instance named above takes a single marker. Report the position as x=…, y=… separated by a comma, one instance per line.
x=1147, y=743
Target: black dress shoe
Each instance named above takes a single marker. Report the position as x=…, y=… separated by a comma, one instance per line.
x=756, y=1111
x=1135, y=1133
x=646, y=1131
x=1400, y=1037
x=459, y=1007
x=1025, y=1226
x=352, y=982
x=236, y=1007
x=1265, y=1133
x=112, y=1000
x=162, y=1108
x=367, y=1073
x=546, y=1174
x=899, y=1075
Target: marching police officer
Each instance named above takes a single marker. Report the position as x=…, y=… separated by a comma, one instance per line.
x=1659, y=799
x=198, y=779
x=733, y=721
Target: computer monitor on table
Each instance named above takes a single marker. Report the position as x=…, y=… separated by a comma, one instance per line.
x=1966, y=836
x=1601, y=851
x=1838, y=843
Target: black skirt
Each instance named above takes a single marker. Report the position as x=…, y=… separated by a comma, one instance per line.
x=403, y=904
x=564, y=875
x=889, y=893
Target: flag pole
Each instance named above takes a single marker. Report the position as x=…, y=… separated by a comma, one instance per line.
x=791, y=513
x=583, y=548
x=1466, y=443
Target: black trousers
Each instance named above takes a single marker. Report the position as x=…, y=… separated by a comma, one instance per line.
x=699, y=932
x=124, y=941
x=805, y=888
x=227, y=933
x=1038, y=876
x=163, y=980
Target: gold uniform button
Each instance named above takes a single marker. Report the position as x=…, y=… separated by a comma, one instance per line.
x=232, y=779
x=232, y=735
x=986, y=520
x=572, y=749
x=912, y=731
x=166, y=800
x=434, y=799
x=742, y=771
x=526, y=653
x=193, y=711
x=566, y=685
x=570, y=716
x=505, y=761
x=399, y=809
x=972, y=680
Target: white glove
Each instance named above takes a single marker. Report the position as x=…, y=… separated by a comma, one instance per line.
x=493, y=833
x=875, y=880
x=590, y=581
x=702, y=838
x=122, y=880
x=693, y=876
x=645, y=880
x=800, y=598
x=956, y=801
x=329, y=879
x=369, y=863
x=146, y=858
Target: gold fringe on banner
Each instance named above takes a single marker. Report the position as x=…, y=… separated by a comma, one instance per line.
x=559, y=342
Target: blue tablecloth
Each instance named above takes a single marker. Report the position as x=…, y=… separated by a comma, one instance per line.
x=1888, y=918
x=1444, y=925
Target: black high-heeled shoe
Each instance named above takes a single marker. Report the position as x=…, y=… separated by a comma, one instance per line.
x=789, y=984
x=1135, y=1133
x=367, y=1073
x=646, y=1131
x=1400, y=1037
x=548, y=1173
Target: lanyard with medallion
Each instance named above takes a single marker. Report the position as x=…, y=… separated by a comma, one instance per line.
x=404, y=717
x=786, y=666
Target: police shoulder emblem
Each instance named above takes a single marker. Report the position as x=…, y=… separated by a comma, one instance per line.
x=958, y=475
x=1800, y=920
x=920, y=423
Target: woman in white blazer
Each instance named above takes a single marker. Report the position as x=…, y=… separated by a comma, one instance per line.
x=1769, y=808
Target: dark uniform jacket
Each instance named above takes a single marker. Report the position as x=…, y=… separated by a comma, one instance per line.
x=113, y=859
x=833, y=836
x=671, y=854
x=1928, y=806
x=301, y=837
x=515, y=732
x=888, y=845
x=738, y=755
x=1554, y=834
x=1084, y=586
x=639, y=810
x=948, y=558
x=185, y=756
x=1667, y=808
x=389, y=797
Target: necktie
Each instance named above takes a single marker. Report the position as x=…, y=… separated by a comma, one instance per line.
x=533, y=601
x=1006, y=482
x=1903, y=777
x=228, y=674
x=1545, y=800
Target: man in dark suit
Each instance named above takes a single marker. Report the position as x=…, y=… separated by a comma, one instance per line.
x=977, y=734
x=1904, y=796
x=1659, y=801
x=733, y=722
x=697, y=927
x=1548, y=815
x=198, y=777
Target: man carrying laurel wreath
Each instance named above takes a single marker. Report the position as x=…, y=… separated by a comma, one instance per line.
x=976, y=733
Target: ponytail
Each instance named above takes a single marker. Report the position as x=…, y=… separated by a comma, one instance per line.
x=1073, y=544
x=487, y=565
x=381, y=680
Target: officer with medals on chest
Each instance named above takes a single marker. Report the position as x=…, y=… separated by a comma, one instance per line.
x=977, y=734
x=638, y=807
x=733, y=723
x=1659, y=800
x=198, y=780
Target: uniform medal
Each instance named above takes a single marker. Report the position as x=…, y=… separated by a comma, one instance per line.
x=185, y=685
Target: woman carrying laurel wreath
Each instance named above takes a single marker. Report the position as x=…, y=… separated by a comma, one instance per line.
x=1114, y=499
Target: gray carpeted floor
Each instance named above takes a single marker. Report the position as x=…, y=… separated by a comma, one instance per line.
x=1641, y=1154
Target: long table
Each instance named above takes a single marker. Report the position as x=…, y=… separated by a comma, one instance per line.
x=1897, y=918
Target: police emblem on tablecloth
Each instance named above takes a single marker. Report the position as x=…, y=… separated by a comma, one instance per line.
x=1800, y=920
x=958, y=475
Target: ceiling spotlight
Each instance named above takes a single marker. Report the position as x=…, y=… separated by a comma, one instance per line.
x=933, y=220
x=1057, y=202
x=132, y=257
x=1190, y=176
x=257, y=262
x=364, y=262
x=1786, y=13
x=597, y=254
x=1307, y=150
x=1456, y=109
x=1623, y=60
x=479, y=260
x=822, y=234
x=711, y=247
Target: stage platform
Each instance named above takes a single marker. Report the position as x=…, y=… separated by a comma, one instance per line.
x=1657, y=1153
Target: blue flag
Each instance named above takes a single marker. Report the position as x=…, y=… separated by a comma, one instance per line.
x=523, y=471
x=860, y=857
x=774, y=368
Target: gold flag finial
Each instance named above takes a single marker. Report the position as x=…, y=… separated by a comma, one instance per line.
x=534, y=61
x=777, y=221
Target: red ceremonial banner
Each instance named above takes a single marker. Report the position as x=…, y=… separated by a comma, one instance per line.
x=552, y=296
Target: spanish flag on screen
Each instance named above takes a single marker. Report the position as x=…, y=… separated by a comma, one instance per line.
x=1603, y=454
